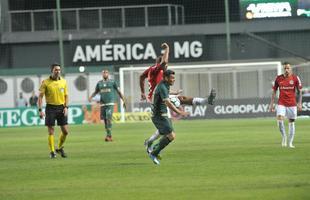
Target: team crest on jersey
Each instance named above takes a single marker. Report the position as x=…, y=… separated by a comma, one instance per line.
x=291, y=82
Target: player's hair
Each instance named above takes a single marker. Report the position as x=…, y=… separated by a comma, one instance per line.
x=54, y=65
x=168, y=72
x=286, y=63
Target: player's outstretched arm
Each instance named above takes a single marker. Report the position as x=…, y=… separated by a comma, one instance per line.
x=165, y=57
x=177, y=92
x=172, y=107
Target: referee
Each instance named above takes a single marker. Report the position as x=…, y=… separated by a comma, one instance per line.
x=56, y=95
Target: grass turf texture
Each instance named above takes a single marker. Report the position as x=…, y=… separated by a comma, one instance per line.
x=214, y=159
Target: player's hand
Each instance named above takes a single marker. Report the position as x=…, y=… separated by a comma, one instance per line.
x=41, y=114
x=65, y=111
x=89, y=99
x=299, y=107
x=143, y=97
x=183, y=114
x=179, y=91
x=271, y=108
x=164, y=45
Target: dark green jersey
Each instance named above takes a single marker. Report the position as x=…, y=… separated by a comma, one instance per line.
x=107, y=90
x=161, y=93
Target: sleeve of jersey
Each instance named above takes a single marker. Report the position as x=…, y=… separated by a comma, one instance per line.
x=42, y=87
x=298, y=83
x=275, y=85
x=146, y=72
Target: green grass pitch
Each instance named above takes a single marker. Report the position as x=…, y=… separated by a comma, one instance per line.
x=211, y=159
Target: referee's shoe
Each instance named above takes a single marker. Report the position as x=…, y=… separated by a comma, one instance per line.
x=61, y=152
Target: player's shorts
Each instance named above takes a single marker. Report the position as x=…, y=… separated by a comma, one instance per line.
x=55, y=113
x=106, y=112
x=163, y=124
x=288, y=112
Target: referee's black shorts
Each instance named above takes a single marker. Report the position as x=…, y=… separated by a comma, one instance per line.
x=53, y=113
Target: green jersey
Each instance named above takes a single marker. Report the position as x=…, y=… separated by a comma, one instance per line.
x=106, y=89
x=161, y=93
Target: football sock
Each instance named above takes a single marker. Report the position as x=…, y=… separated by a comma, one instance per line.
x=109, y=132
x=282, y=128
x=51, y=143
x=62, y=139
x=291, y=128
x=108, y=127
x=154, y=137
x=164, y=141
x=199, y=101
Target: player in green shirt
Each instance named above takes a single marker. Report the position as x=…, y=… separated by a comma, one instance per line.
x=160, y=102
x=107, y=88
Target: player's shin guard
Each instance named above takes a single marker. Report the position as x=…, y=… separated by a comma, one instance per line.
x=282, y=131
x=62, y=139
x=164, y=141
x=51, y=143
x=199, y=101
x=291, y=128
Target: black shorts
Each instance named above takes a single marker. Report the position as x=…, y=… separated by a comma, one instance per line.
x=52, y=113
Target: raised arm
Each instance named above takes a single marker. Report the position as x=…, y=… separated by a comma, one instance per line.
x=165, y=57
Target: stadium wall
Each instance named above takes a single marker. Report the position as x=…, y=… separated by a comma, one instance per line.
x=143, y=50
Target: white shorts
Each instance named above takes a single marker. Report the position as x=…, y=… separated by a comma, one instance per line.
x=288, y=112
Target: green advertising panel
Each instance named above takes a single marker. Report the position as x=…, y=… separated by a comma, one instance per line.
x=261, y=9
x=77, y=114
x=29, y=116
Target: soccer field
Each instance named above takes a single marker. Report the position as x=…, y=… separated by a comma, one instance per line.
x=214, y=159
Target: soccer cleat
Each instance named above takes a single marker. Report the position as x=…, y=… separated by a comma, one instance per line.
x=52, y=155
x=212, y=96
x=61, y=152
x=152, y=149
x=291, y=146
x=154, y=159
x=108, y=138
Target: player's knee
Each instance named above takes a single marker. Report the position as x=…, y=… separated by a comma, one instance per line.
x=65, y=132
x=171, y=136
x=50, y=130
x=279, y=117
